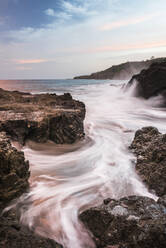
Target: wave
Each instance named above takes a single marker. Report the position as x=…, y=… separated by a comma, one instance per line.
x=67, y=179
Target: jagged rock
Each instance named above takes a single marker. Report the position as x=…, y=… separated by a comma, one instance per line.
x=151, y=82
x=37, y=117
x=149, y=146
x=41, y=117
x=14, y=174
x=14, y=171
x=15, y=235
x=131, y=222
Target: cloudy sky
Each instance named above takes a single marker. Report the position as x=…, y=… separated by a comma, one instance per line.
x=47, y=39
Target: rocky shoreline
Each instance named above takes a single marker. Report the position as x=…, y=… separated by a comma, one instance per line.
x=135, y=221
x=130, y=222
x=14, y=175
x=30, y=117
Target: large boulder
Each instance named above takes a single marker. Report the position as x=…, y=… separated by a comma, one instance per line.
x=150, y=82
x=131, y=222
x=149, y=146
x=41, y=117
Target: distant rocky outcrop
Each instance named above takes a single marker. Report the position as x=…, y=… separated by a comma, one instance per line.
x=149, y=146
x=122, y=71
x=150, y=82
x=14, y=175
x=41, y=117
x=131, y=222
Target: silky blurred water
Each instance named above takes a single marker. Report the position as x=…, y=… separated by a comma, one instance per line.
x=66, y=179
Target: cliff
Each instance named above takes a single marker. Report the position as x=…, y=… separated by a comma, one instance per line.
x=122, y=71
x=150, y=82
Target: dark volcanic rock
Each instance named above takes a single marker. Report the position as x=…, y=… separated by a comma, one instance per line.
x=14, y=174
x=37, y=117
x=149, y=147
x=151, y=82
x=14, y=171
x=15, y=235
x=131, y=222
x=41, y=117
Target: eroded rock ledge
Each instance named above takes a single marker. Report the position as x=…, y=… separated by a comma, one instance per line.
x=41, y=117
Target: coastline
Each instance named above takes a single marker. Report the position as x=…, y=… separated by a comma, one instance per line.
x=128, y=222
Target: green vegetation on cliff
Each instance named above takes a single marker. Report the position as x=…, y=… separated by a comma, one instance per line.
x=123, y=71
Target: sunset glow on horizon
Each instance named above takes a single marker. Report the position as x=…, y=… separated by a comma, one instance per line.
x=65, y=38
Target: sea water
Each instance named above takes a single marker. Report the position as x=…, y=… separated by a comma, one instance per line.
x=67, y=179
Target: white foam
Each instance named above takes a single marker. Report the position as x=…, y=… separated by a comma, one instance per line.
x=69, y=182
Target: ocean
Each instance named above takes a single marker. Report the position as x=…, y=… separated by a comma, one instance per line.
x=67, y=179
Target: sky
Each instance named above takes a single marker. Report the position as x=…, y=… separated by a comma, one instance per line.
x=54, y=39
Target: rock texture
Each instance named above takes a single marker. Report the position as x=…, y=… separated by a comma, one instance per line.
x=149, y=146
x=15, y=235
x=135, y=221
x=14, y=174
x=151, y=82
x=122, y=71
x=41, y=117
x=131, y=222
x=36, y=117
x=14, y=171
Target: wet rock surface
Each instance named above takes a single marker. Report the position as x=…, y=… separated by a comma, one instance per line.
x=41, y=117
x=14, y=171
x=131, y=222
x=149, y=146
x=30, y=117
x=152, y=81
x=14, y=175
x=15, y=235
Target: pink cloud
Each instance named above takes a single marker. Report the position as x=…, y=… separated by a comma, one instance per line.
x=137, y=46
x=127, y=22
x=30, y=61
x=23, y=68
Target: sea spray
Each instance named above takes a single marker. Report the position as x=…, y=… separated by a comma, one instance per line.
x=66, y=180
